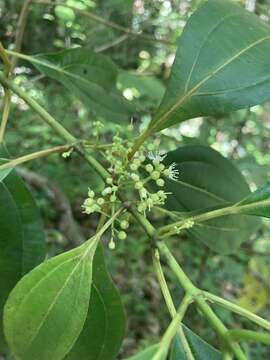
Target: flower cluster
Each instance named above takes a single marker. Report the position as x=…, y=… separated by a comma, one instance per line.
x=138, y=175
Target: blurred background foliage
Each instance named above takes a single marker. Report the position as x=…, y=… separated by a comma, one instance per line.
x=60, y=185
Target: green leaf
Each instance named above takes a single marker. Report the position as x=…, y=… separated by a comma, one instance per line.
x=146, y=354
x=200, y=349
x=91, y=77
x=22, y=240
x=104, y=327
x=149, y=90
x=257, y=203
x=221, y=65
x=46, y=311
x=4, y=173
x=207, y=181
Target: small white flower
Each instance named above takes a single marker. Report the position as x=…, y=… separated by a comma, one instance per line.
x=173, y=172
x=158, y=156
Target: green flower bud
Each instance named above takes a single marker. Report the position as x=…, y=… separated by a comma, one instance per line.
x=155, y=175
x=138, y=185
x=109, y=180
x=143, y=192
x=137, y=162
x=142, y=158
x=149, y=168
x=135, y=177
x=91, y=193
x=100, y=201
x=124, y=224
x=133, y=167
x=160, y=182
x=160, y=167
x=122, y=235
x=111, y=245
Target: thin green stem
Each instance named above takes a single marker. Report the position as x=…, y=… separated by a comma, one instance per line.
x=172, y=329
x=54, y=124
x=237, y=309
x=249, y=335
x=5, y=114
x=202, y=305
x=138, y=143
x=173, y=228
x=35, y=155
x=169, y=303
x=20, y=29
x=7, y=96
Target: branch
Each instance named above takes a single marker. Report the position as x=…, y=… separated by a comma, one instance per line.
x=7, y=96
x=169, y=303
x=55, y=125
x=172, y=329
x=35, y=155
x=249, y=335
x=20, y=30
x=107, y=23
x=238, y=310
x=202, y=305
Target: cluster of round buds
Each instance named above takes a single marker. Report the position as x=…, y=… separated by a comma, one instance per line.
x=121, y=233
x=92, y=204
x=187, y=225
x=136, y=174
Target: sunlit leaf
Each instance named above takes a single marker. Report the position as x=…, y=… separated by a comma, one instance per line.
x=46, y=311
x=221, y=65
x=104, y=327
x=206, y=181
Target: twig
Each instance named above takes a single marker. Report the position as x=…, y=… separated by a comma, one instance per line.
x=107, y=23
x=169, y=303
x=33, y=156
x=7, y=96
x=111, y=44
x=20, y=30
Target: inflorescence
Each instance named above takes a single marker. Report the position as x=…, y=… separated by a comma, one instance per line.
x=137, y=174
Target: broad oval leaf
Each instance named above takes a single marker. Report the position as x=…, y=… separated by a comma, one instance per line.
x=146, y=354
x=104, y=327
x=221, y=65
x=257, y=203
x=206, y=181
x=91, y=77
x=22, y=244
x=49, y=305
x=200, y=349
